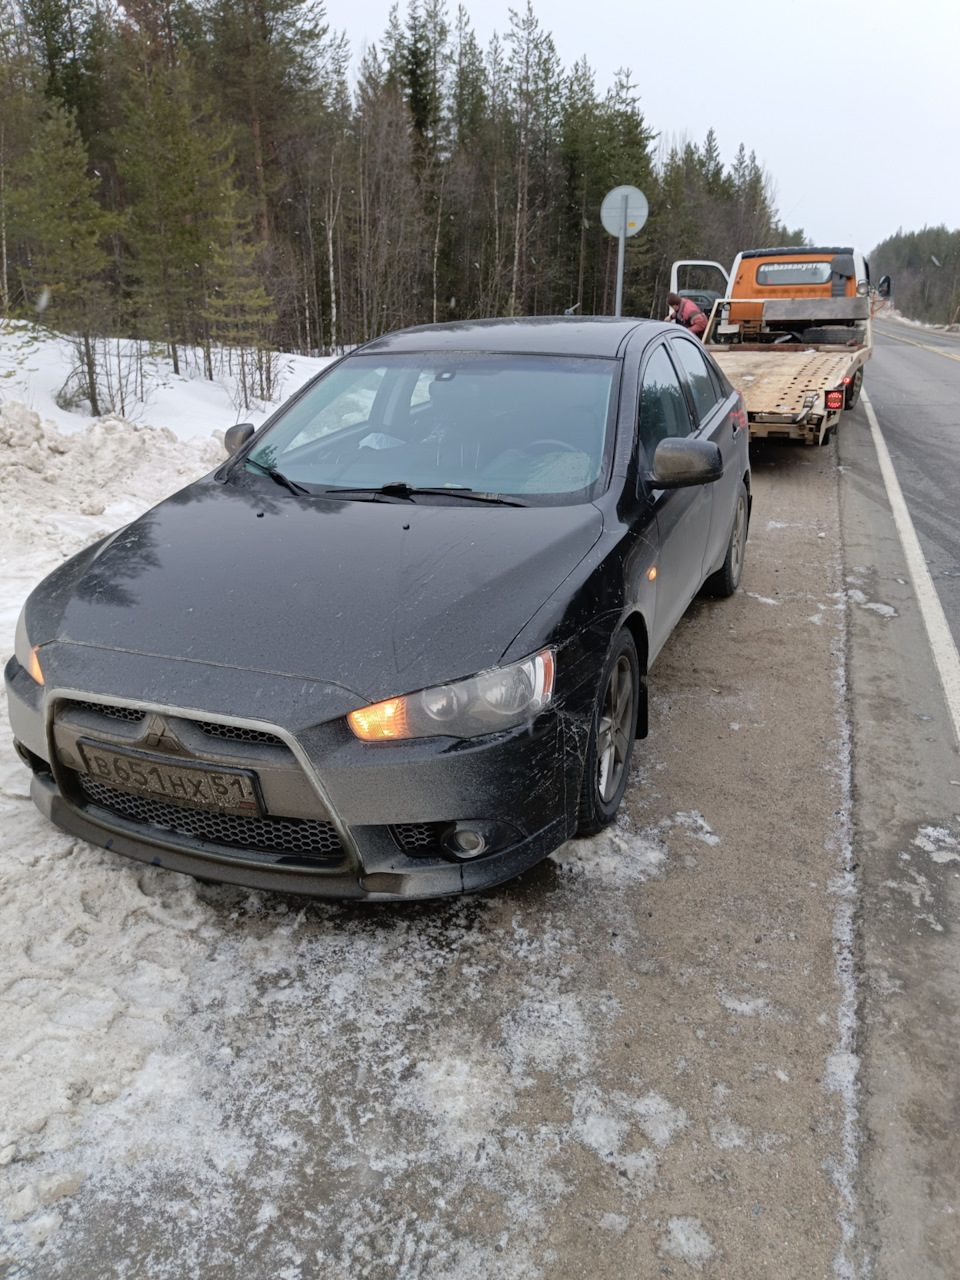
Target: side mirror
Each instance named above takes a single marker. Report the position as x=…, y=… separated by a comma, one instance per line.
x=677, y=464
x=884, y=287
x=236, y=437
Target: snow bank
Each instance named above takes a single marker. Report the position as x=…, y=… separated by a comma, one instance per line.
x=35, y=363
x=61, y=492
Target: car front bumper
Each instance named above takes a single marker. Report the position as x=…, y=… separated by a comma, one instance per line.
x=342, y=819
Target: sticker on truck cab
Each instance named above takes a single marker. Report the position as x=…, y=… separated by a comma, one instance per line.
x=780, y=273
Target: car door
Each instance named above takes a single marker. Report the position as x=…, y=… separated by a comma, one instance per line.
x=683, y=515
x=718, y=419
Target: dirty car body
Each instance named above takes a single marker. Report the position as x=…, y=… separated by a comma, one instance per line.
x=397, y=645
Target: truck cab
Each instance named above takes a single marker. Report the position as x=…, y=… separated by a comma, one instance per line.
x=815, y=296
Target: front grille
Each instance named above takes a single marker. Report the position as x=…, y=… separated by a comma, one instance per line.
x=226, y=732
x=292, y=839
x=419, y=838
x=237, y=733
x=115, y=713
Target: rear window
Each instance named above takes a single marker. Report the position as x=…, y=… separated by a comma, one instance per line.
x=793, y=273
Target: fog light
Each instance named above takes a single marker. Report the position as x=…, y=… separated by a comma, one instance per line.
x=472, y=839
x=469, y=844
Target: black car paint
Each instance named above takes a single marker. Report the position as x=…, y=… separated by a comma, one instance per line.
x=384, y=598
x=370, y=609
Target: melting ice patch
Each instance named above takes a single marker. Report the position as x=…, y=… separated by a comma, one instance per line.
x=939, y=843
x=615, y=856
x=605, y=1126
x=762, y=599
x=696, y=825
x=614, y=1222
x=750, y=1006
x=884, y=610
x=686, y=1240
x=619, y=856
x=658, y=1119
x=465, y=1096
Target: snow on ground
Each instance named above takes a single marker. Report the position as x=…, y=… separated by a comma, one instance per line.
x=885, y=312
x=197, y=1073
x=35, y=364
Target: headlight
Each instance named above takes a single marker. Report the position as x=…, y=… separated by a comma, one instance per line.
x=26, y=654
x=485, y=703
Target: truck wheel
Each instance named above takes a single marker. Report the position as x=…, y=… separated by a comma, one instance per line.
x=612, y=734
x=852, y=394
x=727, y=578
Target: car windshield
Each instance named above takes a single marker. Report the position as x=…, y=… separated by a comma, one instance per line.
x=506, y=424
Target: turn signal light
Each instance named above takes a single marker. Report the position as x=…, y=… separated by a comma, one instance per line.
x=34, y=667
x=834, y=399
x=382, y=721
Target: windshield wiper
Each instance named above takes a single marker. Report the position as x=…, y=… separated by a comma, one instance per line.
x=400, y=489
x=277, y=476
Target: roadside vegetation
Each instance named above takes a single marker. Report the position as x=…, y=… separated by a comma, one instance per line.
x=222, y=177
x=925, y=269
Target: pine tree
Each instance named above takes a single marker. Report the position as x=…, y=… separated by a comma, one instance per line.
x=240, y=313
x=55, y=213
x=174, y=160
x=264, y=56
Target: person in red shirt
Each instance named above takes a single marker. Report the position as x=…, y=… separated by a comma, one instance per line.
x=687, y=313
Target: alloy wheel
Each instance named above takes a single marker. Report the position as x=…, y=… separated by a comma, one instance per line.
x=614, y=729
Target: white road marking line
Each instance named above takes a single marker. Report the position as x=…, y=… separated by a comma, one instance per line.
x=939, y=351
x=945, y=653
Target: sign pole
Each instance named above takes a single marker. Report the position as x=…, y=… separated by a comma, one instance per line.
x=623, y=212
x=621, y=253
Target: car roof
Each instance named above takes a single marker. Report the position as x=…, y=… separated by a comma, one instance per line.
x=528, y=335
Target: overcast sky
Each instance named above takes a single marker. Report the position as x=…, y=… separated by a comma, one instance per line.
x=850, y=106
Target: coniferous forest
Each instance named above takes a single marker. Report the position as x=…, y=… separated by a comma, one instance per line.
x=925, y=268
x=219, y=175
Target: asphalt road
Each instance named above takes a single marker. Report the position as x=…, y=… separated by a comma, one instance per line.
x=719, y=1041
x=906, y=794
x=914, y=384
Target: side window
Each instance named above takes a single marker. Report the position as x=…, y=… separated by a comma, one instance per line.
x=694, y=365
x=663, y=409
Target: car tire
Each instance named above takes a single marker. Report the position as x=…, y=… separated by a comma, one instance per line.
x=613, y=731
x=852, y=393
x=727, y=578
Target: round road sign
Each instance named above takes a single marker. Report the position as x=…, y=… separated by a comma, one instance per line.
x=611, y=211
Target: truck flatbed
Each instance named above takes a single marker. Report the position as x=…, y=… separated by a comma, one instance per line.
x=784, y=391
x=782, y=383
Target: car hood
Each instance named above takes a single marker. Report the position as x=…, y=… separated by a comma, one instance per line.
x=377, y=597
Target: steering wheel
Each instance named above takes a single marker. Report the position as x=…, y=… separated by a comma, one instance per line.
x=548, y=446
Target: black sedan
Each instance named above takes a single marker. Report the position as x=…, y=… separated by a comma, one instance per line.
x=397, y=645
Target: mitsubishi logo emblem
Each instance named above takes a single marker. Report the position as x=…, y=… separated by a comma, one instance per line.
x=160, y=737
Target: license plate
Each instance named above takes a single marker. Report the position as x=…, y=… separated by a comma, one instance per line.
x=192, y=786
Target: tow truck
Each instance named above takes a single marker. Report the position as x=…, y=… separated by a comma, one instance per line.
x=791, y=330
